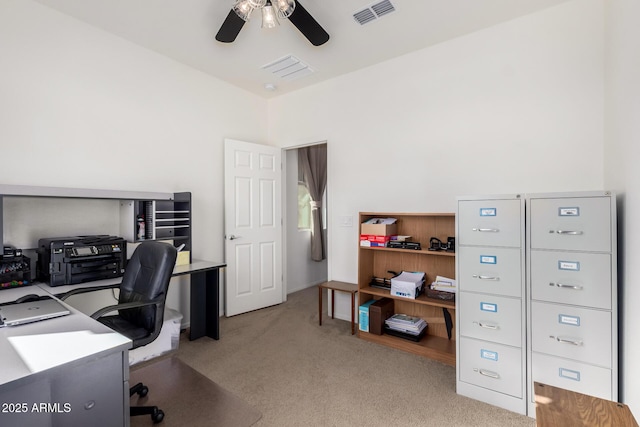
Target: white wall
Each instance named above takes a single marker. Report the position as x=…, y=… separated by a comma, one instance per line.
x=513, y=108
x=302, y=271
x=622, y=154
x=83, y=108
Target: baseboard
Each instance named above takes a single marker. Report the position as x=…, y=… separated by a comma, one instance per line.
x=302, y=287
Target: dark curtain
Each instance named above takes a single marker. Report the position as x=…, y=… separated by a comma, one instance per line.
x=313, y=162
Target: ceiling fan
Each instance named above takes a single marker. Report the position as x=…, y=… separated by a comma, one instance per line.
x=293, y=10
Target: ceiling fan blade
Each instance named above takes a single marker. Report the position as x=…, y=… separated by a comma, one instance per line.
x=308, y=26
x=230, y=28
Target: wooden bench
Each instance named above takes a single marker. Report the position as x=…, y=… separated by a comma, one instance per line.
x=334, y=285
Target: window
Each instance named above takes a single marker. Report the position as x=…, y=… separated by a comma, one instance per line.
x=304, y=207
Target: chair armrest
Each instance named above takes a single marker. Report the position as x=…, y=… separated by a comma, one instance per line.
x=85, y=290
x=123, y=306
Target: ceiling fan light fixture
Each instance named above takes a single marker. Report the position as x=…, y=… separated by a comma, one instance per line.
x=269, y=18
x=243, y=9
x=256, y=4
x=284, y=8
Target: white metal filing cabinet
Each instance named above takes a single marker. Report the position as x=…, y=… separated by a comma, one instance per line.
x=490, y=305
x=572, y=286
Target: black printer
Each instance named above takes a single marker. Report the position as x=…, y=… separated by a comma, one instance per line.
x=72, y=260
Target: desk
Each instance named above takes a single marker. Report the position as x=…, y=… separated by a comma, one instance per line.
x=205, y=295
x=559, y=407
x=83, y=381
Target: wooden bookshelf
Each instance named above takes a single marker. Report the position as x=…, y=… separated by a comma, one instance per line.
x=378, y=261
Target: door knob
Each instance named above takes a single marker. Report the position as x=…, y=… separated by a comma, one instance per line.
x=233, y=237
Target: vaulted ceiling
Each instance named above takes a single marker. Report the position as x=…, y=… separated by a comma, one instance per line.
x=185, y=31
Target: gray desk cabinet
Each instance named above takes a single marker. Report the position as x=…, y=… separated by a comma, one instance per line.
x=490, y=305
x=572, y=293
x=86, y=393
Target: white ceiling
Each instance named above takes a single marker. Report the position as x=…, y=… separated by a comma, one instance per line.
x=185, y=29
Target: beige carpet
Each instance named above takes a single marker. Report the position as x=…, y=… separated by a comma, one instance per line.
x=187, y=397
x=296, y=373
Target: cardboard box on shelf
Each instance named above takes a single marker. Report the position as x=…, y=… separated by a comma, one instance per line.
x=379, y=229
x=379, y=311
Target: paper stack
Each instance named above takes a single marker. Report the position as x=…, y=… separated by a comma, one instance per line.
x=407, y=284
x=444, y=284
x=406, y=324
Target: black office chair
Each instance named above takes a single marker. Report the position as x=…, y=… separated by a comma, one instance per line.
x=140, y=307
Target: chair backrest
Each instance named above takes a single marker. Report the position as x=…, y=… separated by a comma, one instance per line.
x=146, y=278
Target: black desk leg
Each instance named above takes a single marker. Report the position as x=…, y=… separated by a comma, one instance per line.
x=205, y=303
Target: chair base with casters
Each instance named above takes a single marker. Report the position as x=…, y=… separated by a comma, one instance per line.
x=140, y=308
x=157, y=415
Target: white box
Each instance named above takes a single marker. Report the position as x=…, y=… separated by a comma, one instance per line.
x=165, y=342
x=407, y=285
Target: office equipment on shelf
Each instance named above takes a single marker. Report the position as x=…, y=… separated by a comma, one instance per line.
x=380, y=283
x=141, y=301
x=404, y=245
x=407, y=284
x=29, y=312
x=15, y=270
x=73, y=260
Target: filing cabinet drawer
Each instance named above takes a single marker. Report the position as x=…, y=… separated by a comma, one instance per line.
x=572, y=375
x=492, y=366
x=581, y=224
x=489, y=222
x=492, y=318
x=490, y=270
x=571, y=278
x=575, y=333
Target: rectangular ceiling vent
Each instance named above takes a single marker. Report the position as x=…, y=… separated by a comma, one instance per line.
x=373, y=12
x=288, y=68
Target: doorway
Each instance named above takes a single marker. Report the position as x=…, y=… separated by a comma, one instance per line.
x=301, y=271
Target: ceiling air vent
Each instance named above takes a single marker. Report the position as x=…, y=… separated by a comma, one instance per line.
x=373, y=12
x=288, y=68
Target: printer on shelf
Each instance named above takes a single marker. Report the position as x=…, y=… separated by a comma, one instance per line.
x=72, y=260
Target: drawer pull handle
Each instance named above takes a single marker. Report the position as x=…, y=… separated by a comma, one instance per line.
x=486, y=373
x=566, y=232
x=481, y=277
x=567, y=340
x=487, y=325
x=486, y=230
x=562, y=285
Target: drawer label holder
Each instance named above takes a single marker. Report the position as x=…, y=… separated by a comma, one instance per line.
x=490, y=307
x=489, y=355
x=569, y=265
x=569, y=211
x=569, y=374
x=488, y=259
x=488, y=211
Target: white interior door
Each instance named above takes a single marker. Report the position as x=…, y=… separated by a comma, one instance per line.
x=253, y=226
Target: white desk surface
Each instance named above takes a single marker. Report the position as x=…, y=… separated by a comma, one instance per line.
x=39, y=346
